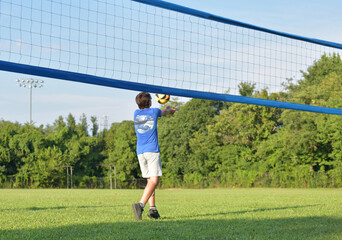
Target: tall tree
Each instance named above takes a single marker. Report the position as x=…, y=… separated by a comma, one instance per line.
x=95, y=126
x=246, y=89
x=71, y=124
x=82, y=126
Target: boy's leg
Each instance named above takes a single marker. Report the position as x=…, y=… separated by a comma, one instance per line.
x=151, y=200
x=153, y=212
x=152, y=183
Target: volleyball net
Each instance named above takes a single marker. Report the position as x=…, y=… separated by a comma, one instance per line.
x=154, y=46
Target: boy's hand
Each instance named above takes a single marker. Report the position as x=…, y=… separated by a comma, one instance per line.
x=168, y=111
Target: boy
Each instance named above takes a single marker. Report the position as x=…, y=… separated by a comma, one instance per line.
x=145, y=122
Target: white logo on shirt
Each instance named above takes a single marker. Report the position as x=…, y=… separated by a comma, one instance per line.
x=143, y=123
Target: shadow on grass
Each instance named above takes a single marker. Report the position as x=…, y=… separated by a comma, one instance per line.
x=247, y=211
x=59, y=208
x=283, y=228
x=70, y=207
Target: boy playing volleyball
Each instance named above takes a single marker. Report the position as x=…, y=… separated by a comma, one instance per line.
x=145, y=122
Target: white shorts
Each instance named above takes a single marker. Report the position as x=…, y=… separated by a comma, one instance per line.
x=150, y=164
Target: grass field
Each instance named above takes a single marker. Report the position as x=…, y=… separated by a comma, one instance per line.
x=186, y=214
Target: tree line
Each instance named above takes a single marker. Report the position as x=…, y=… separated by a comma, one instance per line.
x=204, y=144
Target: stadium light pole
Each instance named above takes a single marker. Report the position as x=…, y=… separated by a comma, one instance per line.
x=30, y=83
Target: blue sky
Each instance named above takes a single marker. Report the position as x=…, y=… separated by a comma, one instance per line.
x=316, y=19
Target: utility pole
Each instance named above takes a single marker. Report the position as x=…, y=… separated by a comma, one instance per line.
x=110, y=173
x=67, y=170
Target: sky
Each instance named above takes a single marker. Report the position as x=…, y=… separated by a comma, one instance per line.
x=319, y=19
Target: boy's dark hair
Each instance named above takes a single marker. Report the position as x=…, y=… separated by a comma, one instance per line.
x=143, y=100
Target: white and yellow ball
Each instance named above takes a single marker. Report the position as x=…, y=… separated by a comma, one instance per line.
x=162, y=98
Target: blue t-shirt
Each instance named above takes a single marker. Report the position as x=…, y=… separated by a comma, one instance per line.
x=145, y=122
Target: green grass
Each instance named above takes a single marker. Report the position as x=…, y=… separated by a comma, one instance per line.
x=186, y=214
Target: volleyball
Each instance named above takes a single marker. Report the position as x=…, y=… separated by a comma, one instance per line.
x=162, y=98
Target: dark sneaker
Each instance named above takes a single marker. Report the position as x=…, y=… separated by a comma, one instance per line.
x=153, y=214
x=137, y=209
